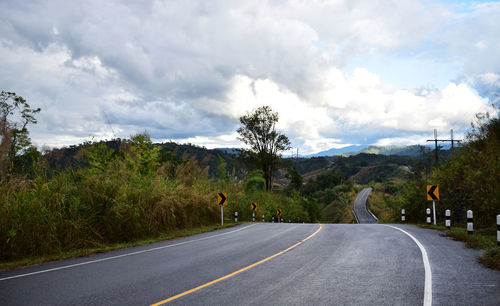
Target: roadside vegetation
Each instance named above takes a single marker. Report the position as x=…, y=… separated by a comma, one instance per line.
x=334, y=195
x=468, y=179
x=384, y=200
x=80, y=252
x=118, y=196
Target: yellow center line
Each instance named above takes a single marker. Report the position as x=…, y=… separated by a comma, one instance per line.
x=235, y=272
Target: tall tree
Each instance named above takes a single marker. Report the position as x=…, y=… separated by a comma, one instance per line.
x=15, y=115
x=258, y=131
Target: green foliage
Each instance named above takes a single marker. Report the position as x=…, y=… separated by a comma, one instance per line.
x=143, y=156
x=468, y=179
x=294, y=209
x=221, y=169
x=255, y=181
x=99, y=156
x=14, y=139
x=325, y=180
x=105, y=203
x=124, y=194
x=296, y=180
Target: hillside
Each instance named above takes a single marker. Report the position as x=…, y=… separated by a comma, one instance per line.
x=73, y=156
x=361, y=167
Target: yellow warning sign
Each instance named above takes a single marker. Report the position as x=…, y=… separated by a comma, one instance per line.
x=433, y=192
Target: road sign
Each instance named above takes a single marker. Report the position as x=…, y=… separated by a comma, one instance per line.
x=278, y=212
x=222, y=198
x=253, y=206
x=433, y=192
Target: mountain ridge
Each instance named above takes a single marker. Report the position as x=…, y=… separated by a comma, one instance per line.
x=412, y=150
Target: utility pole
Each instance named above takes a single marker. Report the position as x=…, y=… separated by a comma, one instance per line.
x=442, y=140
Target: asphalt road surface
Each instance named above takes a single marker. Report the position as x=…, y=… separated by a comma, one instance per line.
x=276, y=264
x=360, y=210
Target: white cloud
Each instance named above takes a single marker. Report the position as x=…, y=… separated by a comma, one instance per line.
x=312, y=146
x=474, y=38
x=358, y=102
x=188, y=70
x=221, y=141
x=402, y=141
x=490, y=78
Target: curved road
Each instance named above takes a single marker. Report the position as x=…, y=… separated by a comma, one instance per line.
x=342, y=264
x=360, y=210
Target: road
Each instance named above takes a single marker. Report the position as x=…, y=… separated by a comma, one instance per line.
x=340, y=264
x=360, y=210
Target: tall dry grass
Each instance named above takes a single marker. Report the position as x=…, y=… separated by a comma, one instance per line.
x=119, y=197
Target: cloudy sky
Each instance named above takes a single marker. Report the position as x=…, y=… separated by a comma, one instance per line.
x=338, y=72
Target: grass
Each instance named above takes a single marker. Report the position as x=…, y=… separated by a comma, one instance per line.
x=377, y=204
x=481, y=239
x=36, y=260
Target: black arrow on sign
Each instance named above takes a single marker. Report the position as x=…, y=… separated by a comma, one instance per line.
x=431, y=192
x=254, y=206
x=222, y=199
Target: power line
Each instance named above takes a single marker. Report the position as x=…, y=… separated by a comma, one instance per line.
x=109, y=123
x=443, y=140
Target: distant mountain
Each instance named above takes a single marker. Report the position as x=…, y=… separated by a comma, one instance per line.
x=414, y=150
x=345, y=150
x=228, y=150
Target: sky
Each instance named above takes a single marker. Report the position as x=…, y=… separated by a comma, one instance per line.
x=339, y=72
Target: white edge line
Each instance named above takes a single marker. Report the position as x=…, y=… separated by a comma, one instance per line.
x=427, y=266
x=122, y=255
x=355, y=216
x=372, y=214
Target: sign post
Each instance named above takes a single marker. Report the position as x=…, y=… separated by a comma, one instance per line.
x=253, y=206
x=433, y=194
x=222, y=200
x=434, y=211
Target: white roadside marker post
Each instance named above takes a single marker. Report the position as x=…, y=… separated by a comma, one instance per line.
x=447, y=222
x=263, y=218
x=253, y=216
x=498, y=230
x=434, y=211
x=428, y=211
x=235, y=216
x=470, y=224
x=403, y=218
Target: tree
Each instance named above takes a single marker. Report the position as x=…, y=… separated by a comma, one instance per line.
x=144, y=156
x=258, y=131
x=14, y=139
x=296, y=180
x=222, y=169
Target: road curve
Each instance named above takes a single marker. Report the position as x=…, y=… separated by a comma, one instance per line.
x=360, y=209
x=342, y=264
